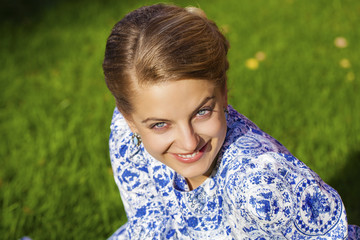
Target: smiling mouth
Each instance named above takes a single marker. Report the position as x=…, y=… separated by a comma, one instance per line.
x=188, y=155
x=193, y=157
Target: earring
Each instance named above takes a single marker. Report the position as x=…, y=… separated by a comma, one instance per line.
x=226, y=111
x=136, y=139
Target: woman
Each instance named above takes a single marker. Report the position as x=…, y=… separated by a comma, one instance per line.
x=188, y=166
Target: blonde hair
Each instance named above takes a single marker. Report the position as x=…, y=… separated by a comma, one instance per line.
x=163, y=43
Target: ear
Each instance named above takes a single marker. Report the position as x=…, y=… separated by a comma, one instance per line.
x=128, y=118
x=130, y=122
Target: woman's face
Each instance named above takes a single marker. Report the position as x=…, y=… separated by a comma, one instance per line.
x=182, y=124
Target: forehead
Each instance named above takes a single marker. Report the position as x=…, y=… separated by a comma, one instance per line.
x=170, y=98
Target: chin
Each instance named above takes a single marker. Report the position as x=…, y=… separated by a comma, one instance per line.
x=199, y=170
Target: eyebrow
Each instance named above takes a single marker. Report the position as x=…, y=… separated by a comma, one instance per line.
x=165, y=120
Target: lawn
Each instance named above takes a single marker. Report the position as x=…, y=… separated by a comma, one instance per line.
x=294, y=70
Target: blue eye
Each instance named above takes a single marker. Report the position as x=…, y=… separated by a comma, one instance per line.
x=205, y=112
x=158, y=125
x=202, y=112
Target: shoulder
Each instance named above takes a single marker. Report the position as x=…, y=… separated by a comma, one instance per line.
x=122, y=149
x=245, y=138
x=119, y=128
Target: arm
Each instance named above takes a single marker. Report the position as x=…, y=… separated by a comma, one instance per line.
x=320, y=212
x=277, y=195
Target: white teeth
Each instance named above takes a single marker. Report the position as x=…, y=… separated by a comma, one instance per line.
x=188, y=155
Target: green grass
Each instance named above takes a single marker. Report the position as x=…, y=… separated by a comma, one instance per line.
x=55, y=110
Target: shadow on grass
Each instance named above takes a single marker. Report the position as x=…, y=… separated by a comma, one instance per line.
x=347, y=183
x=18, y=11
x=26, y=12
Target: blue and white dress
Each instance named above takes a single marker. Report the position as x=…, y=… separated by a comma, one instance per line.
x=257, y=190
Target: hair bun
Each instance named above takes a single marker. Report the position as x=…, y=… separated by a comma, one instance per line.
x=196, y=11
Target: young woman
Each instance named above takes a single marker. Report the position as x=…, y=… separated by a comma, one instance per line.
x=188, y=166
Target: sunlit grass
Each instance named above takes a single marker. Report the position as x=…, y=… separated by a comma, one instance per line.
x=55, y=109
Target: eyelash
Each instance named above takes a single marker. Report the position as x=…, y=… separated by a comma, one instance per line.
x=157, y=127
x=163, y=125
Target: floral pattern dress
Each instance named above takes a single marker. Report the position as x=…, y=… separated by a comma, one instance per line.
x=257, y=190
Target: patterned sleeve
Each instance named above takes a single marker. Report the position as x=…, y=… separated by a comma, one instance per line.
x=277, y=195
x=319, y=212
x=137, y=189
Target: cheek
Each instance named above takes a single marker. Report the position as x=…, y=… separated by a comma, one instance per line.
x=156, y=144
x=215, y=127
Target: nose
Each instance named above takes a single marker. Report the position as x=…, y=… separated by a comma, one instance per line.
x=187, y=139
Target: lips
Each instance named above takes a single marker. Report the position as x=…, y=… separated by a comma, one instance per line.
x=191, y=157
